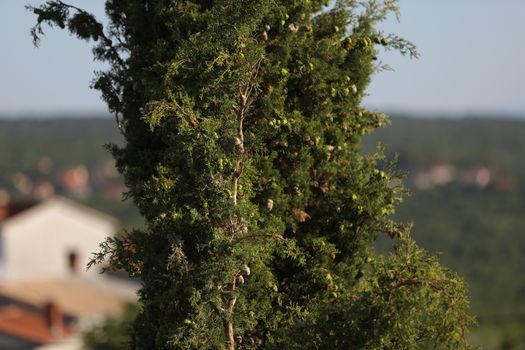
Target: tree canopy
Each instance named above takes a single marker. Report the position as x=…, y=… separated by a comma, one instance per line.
x=243, y=127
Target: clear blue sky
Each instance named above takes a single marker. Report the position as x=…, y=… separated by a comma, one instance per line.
x=472, y=60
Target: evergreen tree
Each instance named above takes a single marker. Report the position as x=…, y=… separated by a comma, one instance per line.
x=243, y=124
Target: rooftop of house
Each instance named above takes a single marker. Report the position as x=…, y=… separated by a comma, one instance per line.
x=30, y=326
x=10, y=209
x=13, y=210
x=77, y=298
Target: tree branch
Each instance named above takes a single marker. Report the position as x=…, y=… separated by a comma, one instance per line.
x=229, y=316
x=245, y=92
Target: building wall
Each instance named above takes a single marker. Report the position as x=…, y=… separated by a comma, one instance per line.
x=2, y=257
x=74, y=343
x=37, y=243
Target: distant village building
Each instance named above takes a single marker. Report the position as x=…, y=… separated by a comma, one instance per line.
x=437, y=175
x=75, y=180
x=52, y=239
x=476, y=178
x=472, y=178
x=46, y=295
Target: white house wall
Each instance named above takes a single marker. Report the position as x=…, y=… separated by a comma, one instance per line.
x=36, y=243
x=74, y=343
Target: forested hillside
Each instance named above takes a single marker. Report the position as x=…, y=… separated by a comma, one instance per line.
x=65, y=156
x=468, y=205
x=466, y=175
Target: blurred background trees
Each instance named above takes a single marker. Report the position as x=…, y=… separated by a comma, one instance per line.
x=476, y=230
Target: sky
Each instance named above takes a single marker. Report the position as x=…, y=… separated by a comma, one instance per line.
x=472, y=62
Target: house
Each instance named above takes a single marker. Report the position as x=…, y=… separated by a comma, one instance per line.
x=47, y=297
x=50, y=240
x=52, y=314
x=28, y=329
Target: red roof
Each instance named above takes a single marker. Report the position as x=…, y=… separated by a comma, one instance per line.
x=77, y=298
x=31, y=326
x=13, y=208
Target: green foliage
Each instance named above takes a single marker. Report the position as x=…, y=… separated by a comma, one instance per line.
x=113, y=333
x=388, y=309
x=243, y=126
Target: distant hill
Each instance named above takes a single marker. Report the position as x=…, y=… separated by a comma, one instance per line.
x=467, y=178
x=39, y=157
x=498, y=143
x=67, y=141
x=468, y=204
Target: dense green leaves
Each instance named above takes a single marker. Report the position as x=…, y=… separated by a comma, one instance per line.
x=113, y=333
x=388, y=308
x=243, y=125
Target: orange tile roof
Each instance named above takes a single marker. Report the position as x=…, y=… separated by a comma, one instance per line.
x=76, y=298
x=23, y=324
x=11, y=209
